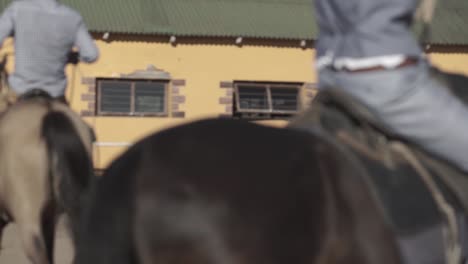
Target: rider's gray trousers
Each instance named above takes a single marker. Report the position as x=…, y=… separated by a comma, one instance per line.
x=413, y=104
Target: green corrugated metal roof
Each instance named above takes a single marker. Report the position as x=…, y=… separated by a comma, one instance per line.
x=283, y=19
x=450, y=24
x=288, y=19
x=123, y=16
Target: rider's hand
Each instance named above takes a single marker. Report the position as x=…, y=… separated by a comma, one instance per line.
x=73, y=57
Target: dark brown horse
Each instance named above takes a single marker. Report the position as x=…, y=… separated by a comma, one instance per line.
x=45, y=169
x=230, y=192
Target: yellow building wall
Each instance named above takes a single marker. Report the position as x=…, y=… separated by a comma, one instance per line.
x=202, y=66
x=451, y=62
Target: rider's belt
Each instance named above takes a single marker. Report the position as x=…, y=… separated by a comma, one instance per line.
x=405, y=63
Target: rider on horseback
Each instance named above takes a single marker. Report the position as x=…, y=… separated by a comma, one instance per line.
x=366, y=49
x=45, y=32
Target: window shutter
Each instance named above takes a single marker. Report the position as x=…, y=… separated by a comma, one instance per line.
x=150, y=97
x=285, y=99
x=252, y=98
x=115, y=97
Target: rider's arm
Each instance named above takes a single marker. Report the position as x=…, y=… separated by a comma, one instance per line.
x=6, y=23
x=86, y=46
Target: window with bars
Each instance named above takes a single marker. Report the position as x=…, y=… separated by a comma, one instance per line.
x=266, y=100
x=132, y=97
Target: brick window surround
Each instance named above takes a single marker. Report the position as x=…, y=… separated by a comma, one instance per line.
x=174, y=96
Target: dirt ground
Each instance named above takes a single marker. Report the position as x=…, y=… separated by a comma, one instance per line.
x=12, y=251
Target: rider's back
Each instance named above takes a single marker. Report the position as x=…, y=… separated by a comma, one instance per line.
x=365, y=28
x=45, y=32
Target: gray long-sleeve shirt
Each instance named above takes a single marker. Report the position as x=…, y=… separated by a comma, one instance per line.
x=365, y=28
x=44, y=31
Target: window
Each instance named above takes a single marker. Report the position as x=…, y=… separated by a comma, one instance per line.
x=266, y=100
x=132, y=97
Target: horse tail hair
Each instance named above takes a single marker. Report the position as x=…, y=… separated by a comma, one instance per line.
x=70, y=165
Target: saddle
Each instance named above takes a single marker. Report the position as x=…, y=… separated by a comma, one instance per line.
x=35, y=93
x=406, y=201
x=39, y=94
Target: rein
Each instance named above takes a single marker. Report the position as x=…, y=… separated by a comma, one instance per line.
x=425, y=14
x=5, y=89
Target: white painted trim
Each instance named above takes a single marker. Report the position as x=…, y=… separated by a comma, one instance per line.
x=112, y=144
